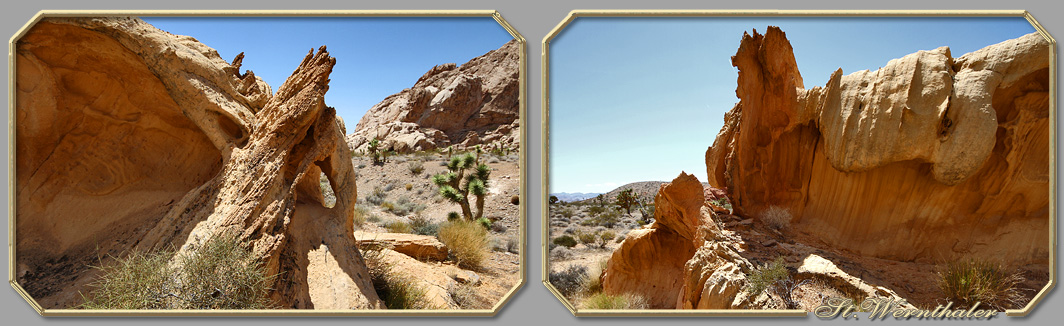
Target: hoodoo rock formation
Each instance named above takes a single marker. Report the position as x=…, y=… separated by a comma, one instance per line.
x=929, y=158
x=450, y=105
x=131, y=138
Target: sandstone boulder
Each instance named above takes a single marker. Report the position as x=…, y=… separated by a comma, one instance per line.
x=131, y=138
x=432, y=280
x=934, y=157
x=650, y=262
x=413, y=245
x=713, y=278
x=817, y=268
x=473, y=104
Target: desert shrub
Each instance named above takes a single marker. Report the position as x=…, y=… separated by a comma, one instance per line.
x=569, y=281
x=605, y=237
x=362, y=214
x=220, y=274
x=513, y=245
x=587, y=238
x=765, y=276
x=373, y=218
x=498, y=227
x=409, y=186
x=421, y=225
x=397, y=290
x=608, y=218
x=415, y=167
x=465, y=295
x=376, y=197
x=453, y=216
x=402, y=206
x=776, y=217
x=565, y=240
x=967, y=282
x=604, y=301
x=560, y=253
x=399, y=227
x=515, y=199
x=466, y=241
x=484, y=222
x=566, y=212
x=595, y=210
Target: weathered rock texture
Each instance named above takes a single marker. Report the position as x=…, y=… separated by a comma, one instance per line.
x=929, y=157
x=473, y=104
x=130, y=138
x=650, y=262
x=413, y=245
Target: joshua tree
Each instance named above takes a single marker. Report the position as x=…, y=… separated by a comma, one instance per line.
x=646, y=207
x=476, y=183
x=626, y=200
x=553, y=200
x=375, y=151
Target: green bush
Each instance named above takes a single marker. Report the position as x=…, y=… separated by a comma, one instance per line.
x=466, y=241
x=967, y=282
x=221, y=274
x=767, y=275
x=565, y=241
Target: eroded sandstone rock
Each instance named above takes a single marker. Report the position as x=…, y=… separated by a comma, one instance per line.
x=413, y=245
x=131, y=138
x=931, y=157
x=463, y=106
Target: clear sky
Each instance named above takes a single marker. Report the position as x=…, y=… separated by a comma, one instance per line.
x=375, y=56
x=641, y=99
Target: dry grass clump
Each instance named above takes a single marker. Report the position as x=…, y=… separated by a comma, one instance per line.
x=605, y=301
x=221, y=274
x=467, y=241
x=361, y=215
x=777, y=217
x=394, y=288
x=967, y=282
x=399, y=227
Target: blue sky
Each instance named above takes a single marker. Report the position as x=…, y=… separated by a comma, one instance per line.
x=641, y=99
x=375, y=56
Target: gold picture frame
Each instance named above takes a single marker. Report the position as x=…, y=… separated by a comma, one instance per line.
x=522, y=100
x=545, y=147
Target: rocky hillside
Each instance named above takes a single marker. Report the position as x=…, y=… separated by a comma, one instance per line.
x=473, y=104
x=134, y=139
x=903, y=155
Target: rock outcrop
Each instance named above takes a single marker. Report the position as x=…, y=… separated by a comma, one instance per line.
x=413, y=245
x=650, y=262
x=131, y=138
x=928, y=158
x=473, y=104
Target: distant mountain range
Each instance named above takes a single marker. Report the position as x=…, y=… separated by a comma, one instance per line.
x=574, y=196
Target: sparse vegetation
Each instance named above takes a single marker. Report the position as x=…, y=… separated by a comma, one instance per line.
x=776, y=217
x=625, y=200
x=604, y=301
x=423, y=226
x=587, y=238
x=466, y=241
x=399, y=227
x=375, y=152
x=415, y=167
x=361, y=215
x=605, y=237
x=398, y=291
x=376, y=197
x=569, y=281
x=967, y=282
x=763, y=277
x=454, y=189
x=560, y=253
x=221, y=274
x=565, y=241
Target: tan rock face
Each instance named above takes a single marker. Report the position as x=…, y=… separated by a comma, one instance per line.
x=130, y=138
x=650, y=262
x=413, y=245
x=932, y=157
x=472, y=104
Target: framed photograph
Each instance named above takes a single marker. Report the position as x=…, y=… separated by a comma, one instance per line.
x=857, y=164
x=267, y=162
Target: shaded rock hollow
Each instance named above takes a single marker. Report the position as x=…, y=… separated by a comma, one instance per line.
x=930, y=157
x=131, y=138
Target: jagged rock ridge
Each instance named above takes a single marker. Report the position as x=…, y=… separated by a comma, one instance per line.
x=476, y=103
x=934, y=157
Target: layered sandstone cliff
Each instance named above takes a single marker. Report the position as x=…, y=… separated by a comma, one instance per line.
x=131, y=138
x=450, y=105
x=929, y=158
